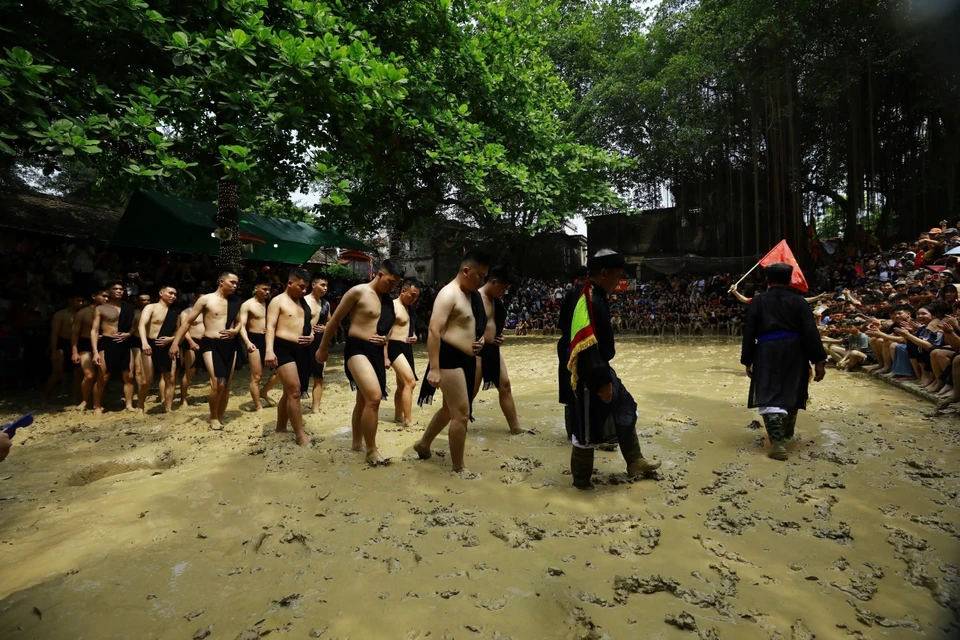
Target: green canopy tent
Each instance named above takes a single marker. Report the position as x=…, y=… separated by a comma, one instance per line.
x=153, y=220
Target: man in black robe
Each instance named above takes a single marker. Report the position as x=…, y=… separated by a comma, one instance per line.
x=599, y=396
x=780, y=341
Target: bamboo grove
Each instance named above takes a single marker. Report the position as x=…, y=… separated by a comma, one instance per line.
x=762, y=118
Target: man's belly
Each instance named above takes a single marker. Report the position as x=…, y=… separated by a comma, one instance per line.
x=460, y=337
x=363, y=330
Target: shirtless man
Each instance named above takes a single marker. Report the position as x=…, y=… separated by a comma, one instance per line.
x=218, y=348
x=253, y=317
x=61, y=348
x=110, y=338
x=454, y=340
x=142, y=301
x=319, y=315
x=82, y=348
x=289, y=336
x=188, y=356
x=371, y=317
x=158, y=324
x=402, y=337
x=491, y=368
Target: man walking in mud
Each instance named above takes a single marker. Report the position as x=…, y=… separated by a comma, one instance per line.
x=218, y=347
x=780, y=342
x=370, y=309
x=599, y=395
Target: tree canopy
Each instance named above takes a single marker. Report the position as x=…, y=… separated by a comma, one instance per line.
x=392, y=110
x=758, y=117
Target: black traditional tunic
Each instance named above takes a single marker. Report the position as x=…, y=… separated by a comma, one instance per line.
x=780, y=340
x=592, y=423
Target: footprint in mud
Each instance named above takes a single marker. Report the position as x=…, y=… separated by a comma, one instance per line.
x=99, y=471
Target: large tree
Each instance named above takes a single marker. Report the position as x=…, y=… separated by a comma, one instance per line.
x=759, y=117
x=246, y=94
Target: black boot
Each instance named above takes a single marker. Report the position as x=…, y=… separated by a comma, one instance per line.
x=637, y=465
x=789, y=425
x=581, y=466
x=776, y=430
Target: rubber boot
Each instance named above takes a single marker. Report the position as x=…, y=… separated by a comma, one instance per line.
x=637, y=465
x=789, y=425
x=776, y=431
x=581, y=466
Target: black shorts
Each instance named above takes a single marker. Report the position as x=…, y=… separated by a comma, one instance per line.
x=396, y=348
x=451, y=358
x=224, y=353
x=373, y=353
x=160, y=356
x=259, y=340
x=115, y=354
x=490, y=365
x=292, y=352
x=84, y=345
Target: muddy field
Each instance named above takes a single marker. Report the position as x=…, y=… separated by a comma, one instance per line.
x=154, y=527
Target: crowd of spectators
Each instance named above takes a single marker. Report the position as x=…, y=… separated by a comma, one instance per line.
x=895, y=312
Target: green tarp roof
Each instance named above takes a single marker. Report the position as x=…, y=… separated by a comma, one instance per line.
x=154, y=220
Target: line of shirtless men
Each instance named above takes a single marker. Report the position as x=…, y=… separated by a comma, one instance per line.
x=108, y=338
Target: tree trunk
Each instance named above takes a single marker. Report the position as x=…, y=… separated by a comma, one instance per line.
x=228, y=218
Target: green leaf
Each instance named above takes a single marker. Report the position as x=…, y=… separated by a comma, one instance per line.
x=181, y=39
x=240, y=38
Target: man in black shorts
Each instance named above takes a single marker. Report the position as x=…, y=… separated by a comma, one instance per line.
x=61, y=349
x=319, y=315
x=110, y=338
x=289, y=335
x=253, y=318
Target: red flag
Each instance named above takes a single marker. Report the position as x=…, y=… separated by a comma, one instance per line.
x=782, y=253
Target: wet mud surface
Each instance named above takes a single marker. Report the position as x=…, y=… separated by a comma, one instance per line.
x=154, y=527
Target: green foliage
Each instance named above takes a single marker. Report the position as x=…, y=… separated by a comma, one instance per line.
x=340, y=272
x=757, y=115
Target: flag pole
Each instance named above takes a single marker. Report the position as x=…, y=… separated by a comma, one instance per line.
x=745, y=275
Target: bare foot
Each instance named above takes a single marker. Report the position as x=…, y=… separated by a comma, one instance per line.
x=423, y=452
x=98, y=410
x=410, y=425
x=257, y=408
x=316, y=411
x=215, y=425
x=265, y=396
x=374, y=459
x=397, y=419
x=303, y=440
x=81, y=407
x=282, y=429
x=515, y=431
x=357, y=446
x=466, y=474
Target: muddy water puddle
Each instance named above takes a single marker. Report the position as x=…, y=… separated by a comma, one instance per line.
x=154, y=527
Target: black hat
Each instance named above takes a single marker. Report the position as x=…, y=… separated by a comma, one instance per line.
x=779, y=268
x=606, y=259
